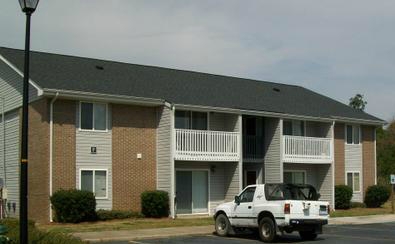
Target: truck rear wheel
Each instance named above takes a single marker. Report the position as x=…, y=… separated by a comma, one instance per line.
x=308, y=235
x=222, y=225
x=267, y=229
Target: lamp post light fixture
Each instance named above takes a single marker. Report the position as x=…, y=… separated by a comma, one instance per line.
x=28, y=7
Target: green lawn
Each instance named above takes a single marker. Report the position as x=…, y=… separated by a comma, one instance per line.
x=126, y=224
x=385, y=209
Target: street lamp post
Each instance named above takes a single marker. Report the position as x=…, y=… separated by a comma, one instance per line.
x=28, y=7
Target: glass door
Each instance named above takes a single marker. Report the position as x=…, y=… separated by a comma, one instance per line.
x=192, y=192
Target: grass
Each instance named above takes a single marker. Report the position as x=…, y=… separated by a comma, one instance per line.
x=126, y=224
x=385, y=209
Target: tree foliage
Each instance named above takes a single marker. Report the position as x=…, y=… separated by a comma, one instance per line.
x=386, y=153
x=358, y=102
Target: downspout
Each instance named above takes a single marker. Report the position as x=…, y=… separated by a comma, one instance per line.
x=4, y=157
x=172, y=165
x=51, y=151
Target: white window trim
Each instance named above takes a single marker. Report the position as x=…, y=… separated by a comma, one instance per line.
x=93, y=177
x=298, y=171
x=360, y=134
x=360, y=181
x=93, y=118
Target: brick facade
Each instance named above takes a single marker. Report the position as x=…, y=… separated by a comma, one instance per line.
x=38, y=161
x=339, y=154
x=133, y=132
x=64, y=134
x=368, y=156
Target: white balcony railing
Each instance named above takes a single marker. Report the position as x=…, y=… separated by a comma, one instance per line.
x=300, y=149
x=205, y=145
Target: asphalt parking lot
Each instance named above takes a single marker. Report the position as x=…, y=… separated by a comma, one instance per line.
x=372, y=233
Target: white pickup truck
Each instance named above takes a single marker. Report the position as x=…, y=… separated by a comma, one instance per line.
x=274, y=209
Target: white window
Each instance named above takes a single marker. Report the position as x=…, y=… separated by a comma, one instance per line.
x=295, y=177
x=353, y=181
x=93, y=116
x=94, y=181
x=191, y=120
x=293, y=128
x=353, y=134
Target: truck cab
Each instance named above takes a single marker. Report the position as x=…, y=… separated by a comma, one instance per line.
x=273, y=209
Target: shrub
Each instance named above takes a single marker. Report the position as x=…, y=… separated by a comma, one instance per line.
x=155, y=204
x=73, y=206
x=358, y=205
x=116, y=214
x=36, y=236
x=376, y=196
x=343, y=195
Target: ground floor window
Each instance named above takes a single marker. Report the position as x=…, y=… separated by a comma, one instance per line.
x=94, y=181
x=353, y=181
x=192, y=191
x=295, y=177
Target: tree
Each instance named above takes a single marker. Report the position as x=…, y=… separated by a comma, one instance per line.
x=386, y=153
x=357, y=102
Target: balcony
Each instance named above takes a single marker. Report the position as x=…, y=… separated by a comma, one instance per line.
x=300, y=149
x=253, y=148
x=203, y=145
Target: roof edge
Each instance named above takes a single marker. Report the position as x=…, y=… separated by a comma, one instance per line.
x=31, y=82
x=74, y=95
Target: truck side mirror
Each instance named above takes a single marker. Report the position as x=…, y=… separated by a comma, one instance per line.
x=237, y=200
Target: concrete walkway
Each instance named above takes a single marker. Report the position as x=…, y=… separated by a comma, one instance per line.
x=128, y=235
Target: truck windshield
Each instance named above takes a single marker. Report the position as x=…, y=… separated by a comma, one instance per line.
x=290, y=192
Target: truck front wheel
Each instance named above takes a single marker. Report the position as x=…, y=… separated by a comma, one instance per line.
x=267, y=229
x=222, y=225
x=308, y=235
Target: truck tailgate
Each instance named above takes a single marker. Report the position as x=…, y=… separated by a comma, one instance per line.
x=308, y=209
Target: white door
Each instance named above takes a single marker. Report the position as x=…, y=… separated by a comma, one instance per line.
x=243, y=212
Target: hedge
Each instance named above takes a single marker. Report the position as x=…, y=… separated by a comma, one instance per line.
x=74, y=206
x=155, y=204
x=376, y=196
x=343, y=195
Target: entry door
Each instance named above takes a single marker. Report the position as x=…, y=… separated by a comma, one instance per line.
x=192, y=192
x=250, y=178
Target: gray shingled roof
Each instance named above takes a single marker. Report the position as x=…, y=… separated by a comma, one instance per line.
x=53, y=71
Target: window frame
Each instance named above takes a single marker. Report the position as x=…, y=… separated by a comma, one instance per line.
x=246, y=189
x=296, y=171
x=190, y=116
x=352, y=179
x=293, y=121
x=353, y=126
x=94, y=177
x=93, y=116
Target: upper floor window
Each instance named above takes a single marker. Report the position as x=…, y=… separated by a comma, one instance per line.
x=353, y=134
x=191, y=120
x=93, y=116
x=293, y=128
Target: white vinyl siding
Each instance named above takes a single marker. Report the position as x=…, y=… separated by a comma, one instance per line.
x=11, y=84
x=272, y=141
x=101, y=160
x=163, y=143
x=353, y=163
x=223, y=122
x=11, y=177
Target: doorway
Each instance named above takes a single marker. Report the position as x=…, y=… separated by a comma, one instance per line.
x=192, y=191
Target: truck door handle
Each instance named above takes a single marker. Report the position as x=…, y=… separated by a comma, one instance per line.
x=249, y=207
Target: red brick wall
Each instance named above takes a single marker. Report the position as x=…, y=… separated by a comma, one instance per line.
x=339, y=154
x=133, y=131
x=38, y=165
x=368, y=156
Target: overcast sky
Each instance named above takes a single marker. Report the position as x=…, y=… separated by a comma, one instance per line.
x=335, y=47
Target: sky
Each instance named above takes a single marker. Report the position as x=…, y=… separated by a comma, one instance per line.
x=337, y=48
